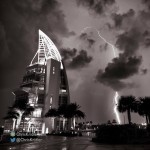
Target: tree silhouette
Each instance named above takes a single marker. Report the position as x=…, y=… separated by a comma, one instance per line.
x=126, y=104
x=52, y=113
x=74, y=112
x=12, y=114
x=66, y=111
x=21, y=104
x=144, y=108
x=63, y=113
x=29, y=109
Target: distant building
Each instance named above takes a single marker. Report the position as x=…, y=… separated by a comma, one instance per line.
x=45, y=85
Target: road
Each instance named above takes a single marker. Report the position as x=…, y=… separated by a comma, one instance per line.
x=69, y=143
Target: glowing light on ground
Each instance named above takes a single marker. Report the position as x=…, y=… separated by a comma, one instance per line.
x=114, y=53
x=144, y=124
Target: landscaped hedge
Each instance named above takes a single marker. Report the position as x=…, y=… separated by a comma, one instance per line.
x=121, y=134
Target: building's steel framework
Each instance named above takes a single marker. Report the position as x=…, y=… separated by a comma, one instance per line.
x=46, y=50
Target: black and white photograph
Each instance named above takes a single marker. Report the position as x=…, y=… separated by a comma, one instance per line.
x=74, y=74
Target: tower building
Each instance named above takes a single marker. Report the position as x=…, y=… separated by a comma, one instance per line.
x=45, y=86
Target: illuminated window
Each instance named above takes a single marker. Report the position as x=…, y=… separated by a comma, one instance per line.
x=41, y=99
x=37, y=112
x=63, y=91
x=51, y=100
x=31, y=100
x=42, y=70
x=42, y=78
x=41, y=87
x=53, y=70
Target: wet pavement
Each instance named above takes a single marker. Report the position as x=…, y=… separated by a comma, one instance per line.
x=69, y=143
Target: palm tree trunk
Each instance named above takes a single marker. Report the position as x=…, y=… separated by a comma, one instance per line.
x=147, y=119
x=74, y=122
x=15, y=124
x=129, y=116
x=59, y=123
x=28, y=126
x=63, y=123
x=23, y=124
x=53, y=123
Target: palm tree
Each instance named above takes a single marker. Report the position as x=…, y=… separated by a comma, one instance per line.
x=53, y=112
x=20, y=105
x=23, y=108
x=29, y=109
x=63, y=113
x=91, y=122
x=114, y=122
x=144, y=108
x=126, y=104
x=74, y=112
x=11, y=114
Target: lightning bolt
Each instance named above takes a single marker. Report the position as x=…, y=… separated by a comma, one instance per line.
x=115, y=107
x=114, y=53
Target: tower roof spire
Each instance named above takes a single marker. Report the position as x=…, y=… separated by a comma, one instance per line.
x=46, y=50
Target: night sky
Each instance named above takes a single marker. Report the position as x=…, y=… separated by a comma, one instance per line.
x=93, y=72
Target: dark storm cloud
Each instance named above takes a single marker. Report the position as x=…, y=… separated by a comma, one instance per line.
x=19, y=24
x=86, y=38
x=132, y=23
x=44, y=13
x=124, y=66
x=81, y=60
x=119, y=18
x=91, y=42
x=144, y=71
x=68, y=53
x=98, y=6
x=108, y=26
x=147, y=42
x=133, y=36
x=121, y=68
x=146, y=36
x=113, y=83
x=103, y=47
x=128, y=42
x=145, y=32
x=146, y=3
x=135, y=33
x=83, y=36
x=74, y=60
